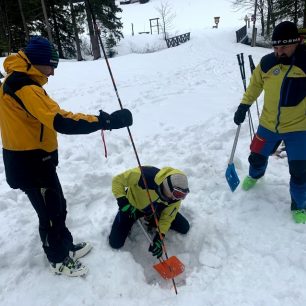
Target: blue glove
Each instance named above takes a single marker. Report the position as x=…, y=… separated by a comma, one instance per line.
x=128, y=209
x=240, y=113
x=156, y=248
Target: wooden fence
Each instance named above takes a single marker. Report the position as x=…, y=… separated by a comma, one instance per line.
x=177, y=40
x=241, y=34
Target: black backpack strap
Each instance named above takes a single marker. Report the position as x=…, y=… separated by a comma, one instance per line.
x=7, y=90
x=16, y=81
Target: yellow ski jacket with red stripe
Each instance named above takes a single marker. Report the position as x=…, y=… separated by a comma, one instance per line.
x=130, y=184
x=284, y=86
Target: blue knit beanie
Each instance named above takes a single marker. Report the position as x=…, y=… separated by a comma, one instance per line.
x=41, y=52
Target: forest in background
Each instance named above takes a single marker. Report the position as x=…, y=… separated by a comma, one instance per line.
x=268, y=13
x=63, y=22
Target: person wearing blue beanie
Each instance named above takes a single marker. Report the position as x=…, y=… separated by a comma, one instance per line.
x=41, y=52
x=29, y=123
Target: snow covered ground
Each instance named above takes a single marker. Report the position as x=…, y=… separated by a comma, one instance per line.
x=242, y=249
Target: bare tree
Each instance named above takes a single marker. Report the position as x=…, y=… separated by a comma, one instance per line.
x=167, y=16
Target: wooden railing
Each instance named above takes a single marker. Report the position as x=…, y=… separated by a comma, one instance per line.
x=177, y=40
x=241, y=34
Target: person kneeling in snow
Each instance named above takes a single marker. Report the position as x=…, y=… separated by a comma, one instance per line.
x=167, y=188
x=29, y=121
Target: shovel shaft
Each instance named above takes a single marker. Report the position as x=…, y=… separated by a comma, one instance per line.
x=144, y=231
x=234, y=144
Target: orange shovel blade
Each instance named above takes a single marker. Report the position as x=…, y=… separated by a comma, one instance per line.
x=170, y=267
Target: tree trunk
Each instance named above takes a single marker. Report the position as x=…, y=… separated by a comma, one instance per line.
x=46, y=20
x=270, y=18
x=24, y=21
x=296, y=11
x=304, y=21
x=254, y=30
x=7, y=28
x=93, y=38
x=262, y=17
x=56, y=31
x=76, y=35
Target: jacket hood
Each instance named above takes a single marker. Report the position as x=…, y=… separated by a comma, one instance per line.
x=164, y=173
x=20, y=63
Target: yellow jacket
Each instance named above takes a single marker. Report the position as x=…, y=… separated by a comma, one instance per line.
x=29, y=122
x=130, y=184
x=34, y=126
x=284, y=87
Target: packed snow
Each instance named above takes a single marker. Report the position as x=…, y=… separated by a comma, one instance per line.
x=243, y=248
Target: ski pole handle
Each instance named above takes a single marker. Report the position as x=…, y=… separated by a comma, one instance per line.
x=252, y=65
x=242, y=59
x=242, y=70
x=238, y=57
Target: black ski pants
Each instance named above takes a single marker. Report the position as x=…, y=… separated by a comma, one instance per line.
x=50, y=206
x=123, y=224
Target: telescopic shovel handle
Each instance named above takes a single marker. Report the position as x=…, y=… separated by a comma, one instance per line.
x=234, y=144
x=144, y=231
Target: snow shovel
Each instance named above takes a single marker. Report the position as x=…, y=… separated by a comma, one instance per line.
x=231, y=174
x=169, y=268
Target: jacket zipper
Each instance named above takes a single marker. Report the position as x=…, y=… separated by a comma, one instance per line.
x=281, y=98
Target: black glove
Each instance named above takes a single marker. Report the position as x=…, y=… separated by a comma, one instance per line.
x=128, y=209
x=104, y=120
x=240, y=113
x=156, y=248
x=116, y=120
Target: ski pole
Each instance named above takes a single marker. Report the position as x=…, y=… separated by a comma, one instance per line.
x=242, y=72
x=252, y=67
x=97, y=32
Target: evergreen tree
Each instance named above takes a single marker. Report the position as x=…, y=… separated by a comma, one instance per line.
x=292, y=10
x=20, y=19
x=106, y=13
x=272, y=12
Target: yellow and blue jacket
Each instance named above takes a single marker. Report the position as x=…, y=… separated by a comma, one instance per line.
x=284, y=87
x=130, y=184
x=30, y=120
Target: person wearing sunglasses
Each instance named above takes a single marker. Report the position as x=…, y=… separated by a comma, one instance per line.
x=167, y=188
